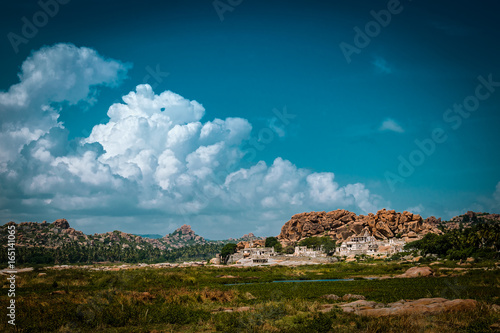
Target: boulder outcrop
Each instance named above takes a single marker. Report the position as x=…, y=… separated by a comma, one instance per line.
x=183, y=236
x=416, y=272
x=432, y=220
x=342, y=224
x=408, y=307
x=248, y=244
x=61, y=223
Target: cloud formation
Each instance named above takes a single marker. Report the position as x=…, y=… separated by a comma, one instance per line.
x=419, y=209
x=49, y=77
x=391, y=125
x=155, y=157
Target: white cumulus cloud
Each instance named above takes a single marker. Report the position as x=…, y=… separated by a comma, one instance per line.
x=156, y=156
x=50, y=76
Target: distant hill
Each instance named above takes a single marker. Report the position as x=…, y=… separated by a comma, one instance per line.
x=183, y=236
x=57, y=242
x=469, y=219
x=59, y=233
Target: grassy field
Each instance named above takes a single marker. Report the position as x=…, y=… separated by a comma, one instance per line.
x=191, y=299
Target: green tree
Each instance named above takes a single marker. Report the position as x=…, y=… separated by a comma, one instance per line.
x=226, y=251
x=326, y=242
x=271, y=241
x=278, y=247
x=329, y=245
x=482, y=240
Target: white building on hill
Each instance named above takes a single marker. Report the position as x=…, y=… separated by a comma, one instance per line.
x=367, y=244
x=304, y=251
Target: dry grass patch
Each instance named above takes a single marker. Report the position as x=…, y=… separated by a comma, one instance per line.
x=215, y=295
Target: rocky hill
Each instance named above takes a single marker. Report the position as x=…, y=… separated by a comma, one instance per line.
x=59, y=233
x=470, y=218
x=246, y=238
x=183, y=236
x=342, y=224
x=58, y=243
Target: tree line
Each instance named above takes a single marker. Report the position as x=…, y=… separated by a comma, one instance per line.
x=481, y=241
x=80, y=254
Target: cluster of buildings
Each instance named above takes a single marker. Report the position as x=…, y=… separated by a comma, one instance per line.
x=256, y=255
x=355, y=245
x=369, y=245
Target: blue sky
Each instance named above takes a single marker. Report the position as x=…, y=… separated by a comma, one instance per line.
x=252, y=113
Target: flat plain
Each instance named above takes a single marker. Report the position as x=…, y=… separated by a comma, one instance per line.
x=231, y=299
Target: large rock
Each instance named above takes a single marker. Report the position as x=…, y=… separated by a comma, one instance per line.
x=433, y=221
x=384, y=229
x=416, y=272
x=356, y=227
x=250, y=244
x=348, y=297
x=186, y=230
x=409, y=307
x=215, y=261
x=61, y=223
x=341, y=224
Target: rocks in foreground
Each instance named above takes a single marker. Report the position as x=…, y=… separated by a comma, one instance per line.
x=346, y=297
x=416, y=271
x=408, y=307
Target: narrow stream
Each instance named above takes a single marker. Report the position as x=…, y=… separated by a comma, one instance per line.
x=288, y=281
